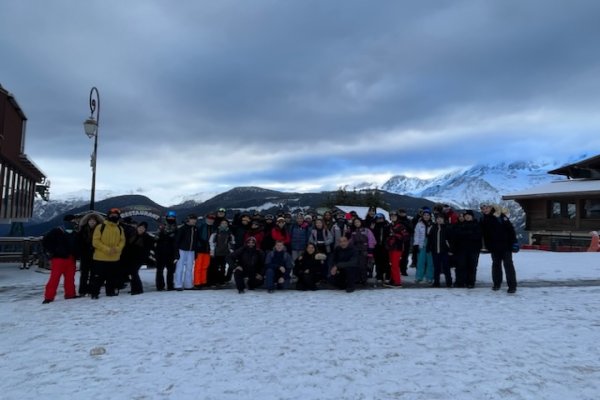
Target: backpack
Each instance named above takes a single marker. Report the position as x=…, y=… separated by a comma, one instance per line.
x=104, y=226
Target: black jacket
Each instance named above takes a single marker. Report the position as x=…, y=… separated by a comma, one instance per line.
x=498, y=233
x=437, y=239
x=466, y=237
x=187, y=238
x=344, y=258
x=61, y=244
x=250, y=259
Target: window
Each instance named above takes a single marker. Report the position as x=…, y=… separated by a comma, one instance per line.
x=554, y=209
x=591, y=209
x=562, y=209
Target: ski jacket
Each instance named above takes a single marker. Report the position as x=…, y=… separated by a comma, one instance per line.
x=108, y=235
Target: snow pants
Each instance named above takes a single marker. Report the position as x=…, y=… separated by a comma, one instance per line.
x=85, y=272
x=184, y=270
x=64, y=267
x=424, y=265
x=395, y=260
x=441, y=265
x=105, y=273
x=162, y=264
x=201, y=269
x=498, y=259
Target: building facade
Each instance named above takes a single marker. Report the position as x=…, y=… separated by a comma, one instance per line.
x=562, y=213
x=20, y=178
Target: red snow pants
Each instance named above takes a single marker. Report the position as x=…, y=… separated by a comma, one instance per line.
x=61, y=267
x=395, y=276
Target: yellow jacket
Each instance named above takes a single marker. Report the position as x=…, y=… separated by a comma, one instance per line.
x=108, y=242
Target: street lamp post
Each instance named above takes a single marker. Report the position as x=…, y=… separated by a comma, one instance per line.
x=91, y=130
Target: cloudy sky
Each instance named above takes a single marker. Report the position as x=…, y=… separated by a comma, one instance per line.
x=202, y=96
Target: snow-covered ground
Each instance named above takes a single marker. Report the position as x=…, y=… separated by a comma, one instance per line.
x=541, y=343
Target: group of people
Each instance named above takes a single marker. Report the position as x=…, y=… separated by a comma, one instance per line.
x=309, y=251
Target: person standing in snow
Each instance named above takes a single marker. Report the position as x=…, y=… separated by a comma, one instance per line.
x=166, y=252
x=499, y=238
x=87, y=224
x=424, y=259
x=363, y=241
x=439, y=247
x=140, y=246
x=322, y=239
x=381, y=231
x=222, y=243
x=466, y=246
x=61, y=244
x=299, y=233
x=108, y=242
x=186, y=243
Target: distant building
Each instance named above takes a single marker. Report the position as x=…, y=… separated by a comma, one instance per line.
x=561, y=214
x=20, y=178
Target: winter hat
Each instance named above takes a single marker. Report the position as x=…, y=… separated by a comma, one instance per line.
x=251, y=239
x=470, y=212
x=348, y=216
x=192, y=216
x=594, y=233
x=427, y=211
x=114, y=211
x=280, y=219
x=144, y=224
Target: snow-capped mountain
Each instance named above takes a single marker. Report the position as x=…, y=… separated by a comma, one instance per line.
x=57, y=205
x=481, y=183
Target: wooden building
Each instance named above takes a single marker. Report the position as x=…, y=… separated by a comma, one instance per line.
x=561, y=214
x=20, y=178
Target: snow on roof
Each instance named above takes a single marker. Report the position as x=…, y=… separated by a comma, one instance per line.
x=558, y=188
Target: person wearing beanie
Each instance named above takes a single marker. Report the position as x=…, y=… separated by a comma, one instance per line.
x=140, y=245
x=61, y=244
x=108, y=241
x=247, y=266
x=424, y=258
x=222, y=243
x=280, y=232
x=166, y=253
x=381, y=255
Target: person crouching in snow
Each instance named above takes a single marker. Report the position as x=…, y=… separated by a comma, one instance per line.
x=61, y=244
x=344, y=272
x=278, y=266
x=309, y=268
x=247, y=262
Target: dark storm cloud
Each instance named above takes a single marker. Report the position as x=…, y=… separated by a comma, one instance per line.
x=404, y=78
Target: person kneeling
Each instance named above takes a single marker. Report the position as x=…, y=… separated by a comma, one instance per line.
x=247, y=262
x=278, y=266
x=344, y=272
x=308, y=268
